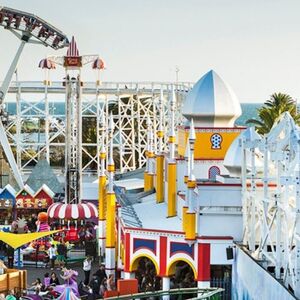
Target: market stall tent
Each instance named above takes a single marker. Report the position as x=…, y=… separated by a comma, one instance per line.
x=44, y=196
x=7, y=197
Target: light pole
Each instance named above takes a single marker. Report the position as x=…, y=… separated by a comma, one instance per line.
x=177, y=74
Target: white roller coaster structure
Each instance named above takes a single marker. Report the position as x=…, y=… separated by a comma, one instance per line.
x=271, y=200
x=131, y=104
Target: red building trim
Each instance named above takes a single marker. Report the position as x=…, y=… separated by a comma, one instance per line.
x=154, y=230
x=203, y=262
x=163, y=255
x=127, y=252
x=205, y=237
x=178, y=232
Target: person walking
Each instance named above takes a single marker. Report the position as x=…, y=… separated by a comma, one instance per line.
x=87, y=266
x=101, y=274
x=10, y=256
x=52, y=256
x=62, y=254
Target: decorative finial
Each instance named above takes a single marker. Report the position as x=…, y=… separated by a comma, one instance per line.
x=192, y=136
x=111, y=124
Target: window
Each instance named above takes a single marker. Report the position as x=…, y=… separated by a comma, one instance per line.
x=213, y=172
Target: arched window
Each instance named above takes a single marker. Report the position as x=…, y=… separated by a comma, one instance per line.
x=213, y=172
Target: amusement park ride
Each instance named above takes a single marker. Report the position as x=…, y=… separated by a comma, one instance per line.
x=217, y=189
x=29, y=29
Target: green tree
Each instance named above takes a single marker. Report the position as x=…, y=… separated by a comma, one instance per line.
x=272, y=109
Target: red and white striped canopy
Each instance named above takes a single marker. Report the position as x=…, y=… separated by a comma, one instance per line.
x=73, y=50
x=72, y=211
x=46, y=64
x=98, y=64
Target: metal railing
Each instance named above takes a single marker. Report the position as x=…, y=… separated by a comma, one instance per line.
x=92, y=88
x=209, y=293
x=128, y=213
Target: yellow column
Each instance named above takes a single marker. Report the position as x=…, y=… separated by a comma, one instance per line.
x=184, y=210
x=102, y=197
x=186, y=179
x=172, y=189
x=150, y=173
x=190, y=216
x=159, y=178
x=146, y=180
x=110, y=220
x=190, y=220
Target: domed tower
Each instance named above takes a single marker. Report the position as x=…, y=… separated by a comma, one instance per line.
x=214, y=109
x=212, y=103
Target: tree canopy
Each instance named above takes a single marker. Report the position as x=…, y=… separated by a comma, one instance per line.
x=269, y=113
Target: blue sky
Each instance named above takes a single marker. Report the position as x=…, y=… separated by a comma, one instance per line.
x=253, y=45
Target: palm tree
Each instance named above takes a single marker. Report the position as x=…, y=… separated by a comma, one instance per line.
x=272, y=109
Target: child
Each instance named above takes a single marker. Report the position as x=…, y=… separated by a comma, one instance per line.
x=46, y=281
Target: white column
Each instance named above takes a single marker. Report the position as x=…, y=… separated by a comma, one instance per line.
x=166, y=287
x=101, y=237
x=110, y=258
x=203, y=285
x=129, y=275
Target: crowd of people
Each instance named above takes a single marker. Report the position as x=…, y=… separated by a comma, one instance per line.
x=95, y=285
x=93, y=288
x=99, y=283
x=148, y=281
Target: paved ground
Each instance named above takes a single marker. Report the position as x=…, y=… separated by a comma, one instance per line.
x=33, y=272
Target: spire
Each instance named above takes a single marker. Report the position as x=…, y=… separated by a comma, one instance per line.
x=151, y=156
x=191, y=178
x=111, y=164
x=102, y=149
x=111, y=127
x=192, y=136
x=160, y=132
x=192, y=139
x=148, y=143
x=73, y=50
x=172, y=124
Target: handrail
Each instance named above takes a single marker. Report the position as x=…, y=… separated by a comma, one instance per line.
x=126, y=204
x=201, y=293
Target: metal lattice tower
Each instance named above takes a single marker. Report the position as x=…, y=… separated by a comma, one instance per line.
x=73, y=159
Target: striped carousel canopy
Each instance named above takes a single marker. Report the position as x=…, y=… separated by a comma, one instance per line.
x=98, y=64
x=72, y=211
x=46, y=64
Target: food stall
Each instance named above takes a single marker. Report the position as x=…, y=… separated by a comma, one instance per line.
x=7, y=204
x=29, y=203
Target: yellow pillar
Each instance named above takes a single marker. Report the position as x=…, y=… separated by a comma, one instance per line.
x=186, y=179
x=146, y=181
x=172, y=189
x=102, y=197
x=110, y=220
x=159, y=178
x=184, y=210
x=190, y=220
